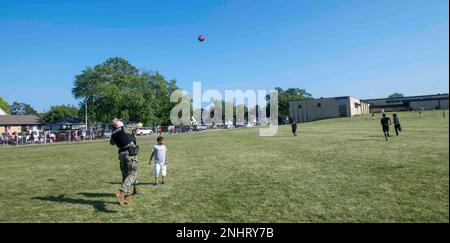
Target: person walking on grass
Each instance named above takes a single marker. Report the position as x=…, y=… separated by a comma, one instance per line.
x=5, y=139
x=397, y=125
x=16, y=138
x=385, y=123
x=294, y=127
x=75, y=136
x=160, y=155
x=129, y=163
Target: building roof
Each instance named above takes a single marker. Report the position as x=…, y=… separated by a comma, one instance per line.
x=417, y=97
x=19, y=120
x=66, y=120
x=404, y=100
x=327, y=98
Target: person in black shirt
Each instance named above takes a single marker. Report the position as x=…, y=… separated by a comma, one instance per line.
x=385, y=123
x=397, y=126
x=294, y=127
x=129, y=164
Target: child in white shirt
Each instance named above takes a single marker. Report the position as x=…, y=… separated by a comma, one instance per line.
x=160, y=154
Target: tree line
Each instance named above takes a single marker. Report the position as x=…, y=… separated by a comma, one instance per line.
x=115, y=88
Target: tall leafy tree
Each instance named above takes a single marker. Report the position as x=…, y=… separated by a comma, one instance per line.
x=4, y=105
x=116, y=88
x=396, y=96
x=160, y=103
x=222, y=105
x=105, y=88
x=59, y=112
x=19, y=108
x=284, y=97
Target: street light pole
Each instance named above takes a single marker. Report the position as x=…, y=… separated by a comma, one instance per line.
x=86, y=118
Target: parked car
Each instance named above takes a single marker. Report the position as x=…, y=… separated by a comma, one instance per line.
x=229, y=126
x=250, y=125
x=201, y=127
x=144, y=131
x=108, y=134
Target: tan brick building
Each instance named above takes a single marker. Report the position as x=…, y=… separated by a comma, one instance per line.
x=18, y=123
x=323, y=108
x=427, y=102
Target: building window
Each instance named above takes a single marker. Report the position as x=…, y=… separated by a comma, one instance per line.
x=319, y=105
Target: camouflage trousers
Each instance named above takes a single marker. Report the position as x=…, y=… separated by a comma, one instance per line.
x=129, y=166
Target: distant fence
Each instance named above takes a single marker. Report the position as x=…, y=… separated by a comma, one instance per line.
x=75, y=136
x=44, y=137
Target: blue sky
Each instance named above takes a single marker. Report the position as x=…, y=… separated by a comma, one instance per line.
x=363, y=48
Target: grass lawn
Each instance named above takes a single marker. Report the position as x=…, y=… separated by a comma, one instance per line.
x=337, y=170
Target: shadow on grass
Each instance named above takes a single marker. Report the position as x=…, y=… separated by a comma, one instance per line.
x=89, y=194
x=286, y=136
x=376, y=136
x=388, y=168
x=363, y=139
x=139, y=183
x=97, y=204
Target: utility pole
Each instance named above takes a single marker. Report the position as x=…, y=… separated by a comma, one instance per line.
x=86, y=118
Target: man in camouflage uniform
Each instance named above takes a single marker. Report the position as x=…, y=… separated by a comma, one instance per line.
x=128, y=156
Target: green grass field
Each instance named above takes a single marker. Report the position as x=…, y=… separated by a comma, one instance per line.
x=337, y=170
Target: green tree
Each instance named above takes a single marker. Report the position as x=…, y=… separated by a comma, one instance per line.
x=159, y=98
x=223, y=104
x=104, y=88
x=4, y=106
x=59, y=112
x=396, y=96
x=116, y=88
x=255, y=111
x=19, y=108
x=284, y=97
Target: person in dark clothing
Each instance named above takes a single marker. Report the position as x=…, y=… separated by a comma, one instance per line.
x=294, y=127
x=397, y=126
x=385, y=123
x=128, y=156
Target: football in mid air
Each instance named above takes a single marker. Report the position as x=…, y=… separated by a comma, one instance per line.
x=201, y=38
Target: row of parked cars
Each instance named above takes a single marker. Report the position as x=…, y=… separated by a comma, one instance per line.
x=181, y=129
x=144, y=131
x=141, y=132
